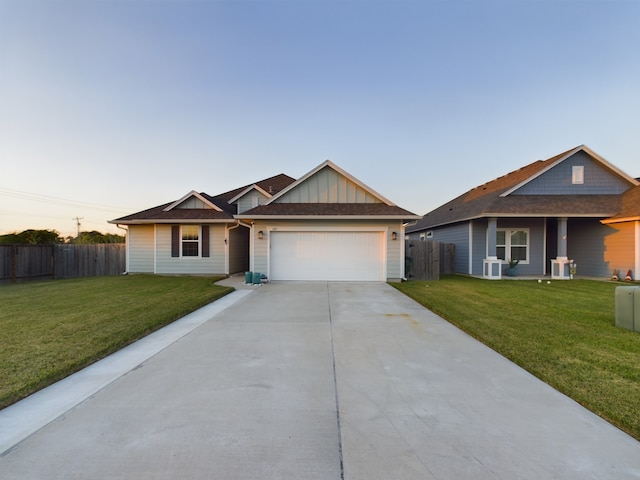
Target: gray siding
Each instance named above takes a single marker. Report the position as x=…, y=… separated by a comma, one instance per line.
x=557, y=181
x=536, y=228
x=598, y=249
x=457, y=234
x=479, y=245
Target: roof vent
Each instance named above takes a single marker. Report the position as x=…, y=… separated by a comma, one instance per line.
x=270, y=188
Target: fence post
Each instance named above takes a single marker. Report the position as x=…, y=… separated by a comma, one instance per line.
x=14, y=261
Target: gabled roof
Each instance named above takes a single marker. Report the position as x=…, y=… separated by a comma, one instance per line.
x=160, y=214
x=382, y=208
x=221, y=210
x=273, y=185
x=496, y=199
x=250, y=189
x=554, y=161
x=197, y=195
x=630, y=210
x=340, y=171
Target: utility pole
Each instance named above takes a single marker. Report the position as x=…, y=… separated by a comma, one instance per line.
x=77, y=219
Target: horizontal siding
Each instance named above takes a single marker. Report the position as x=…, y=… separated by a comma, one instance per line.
x=599, y=249
x=457, y=234
x=558, y=180
x=140, y=249
x=536, y=228
x=213, y=265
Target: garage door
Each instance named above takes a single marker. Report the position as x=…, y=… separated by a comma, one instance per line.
x=332, y=256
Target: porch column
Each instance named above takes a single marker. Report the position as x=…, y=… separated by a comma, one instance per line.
x=492, y=237
x=491, y=266
x=562, y=237
x=561, y=266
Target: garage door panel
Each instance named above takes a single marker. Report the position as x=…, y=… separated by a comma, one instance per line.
x=327, y=256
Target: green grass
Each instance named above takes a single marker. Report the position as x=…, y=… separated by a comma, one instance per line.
x=563, y=332
x=52, y=329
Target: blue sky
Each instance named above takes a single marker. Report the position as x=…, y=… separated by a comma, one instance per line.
x=110, y=107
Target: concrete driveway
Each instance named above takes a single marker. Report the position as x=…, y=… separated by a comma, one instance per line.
x=322, y=381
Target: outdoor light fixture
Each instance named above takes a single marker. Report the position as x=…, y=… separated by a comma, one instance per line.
x=394, y=236
x=260, y=234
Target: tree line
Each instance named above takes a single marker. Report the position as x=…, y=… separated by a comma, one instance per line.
x=45, y=237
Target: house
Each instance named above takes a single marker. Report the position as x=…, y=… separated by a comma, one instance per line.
x=574, y=208
x=327, y=225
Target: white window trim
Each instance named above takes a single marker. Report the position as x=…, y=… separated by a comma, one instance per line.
x=577, y=175
x=192, y=241
x=507, y=237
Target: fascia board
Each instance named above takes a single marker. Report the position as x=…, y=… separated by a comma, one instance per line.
x=512, y=215
x=330, y=164
x=608, y=221
x=247, y=190
x=544, y=170
x=172, y=221
x=589, y=152
x=193, y=193
x=327, y=217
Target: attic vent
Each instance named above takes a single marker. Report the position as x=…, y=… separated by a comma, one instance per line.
x=577, y=175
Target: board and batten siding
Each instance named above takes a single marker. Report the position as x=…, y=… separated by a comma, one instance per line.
x=140, y=248
x=212, y=265
x=394, y=257
x=328, y=186
x=250, y=200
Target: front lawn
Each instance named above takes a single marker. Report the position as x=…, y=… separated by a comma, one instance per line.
x=563, y=332
x=52, y=329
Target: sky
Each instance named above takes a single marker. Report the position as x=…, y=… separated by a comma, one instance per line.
x=109, y=107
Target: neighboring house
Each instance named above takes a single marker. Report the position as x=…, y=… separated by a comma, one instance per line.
x=326, y=225
x=575, y=207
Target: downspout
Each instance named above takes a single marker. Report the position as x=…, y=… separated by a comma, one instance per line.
x=126, y=247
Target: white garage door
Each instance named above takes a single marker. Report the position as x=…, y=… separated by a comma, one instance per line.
x=336, y=256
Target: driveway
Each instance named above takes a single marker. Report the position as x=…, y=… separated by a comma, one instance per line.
x=325, y=381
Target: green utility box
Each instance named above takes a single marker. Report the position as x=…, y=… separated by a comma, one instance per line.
x=628, y=308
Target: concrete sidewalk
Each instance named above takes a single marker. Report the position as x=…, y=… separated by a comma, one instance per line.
x=325, y=381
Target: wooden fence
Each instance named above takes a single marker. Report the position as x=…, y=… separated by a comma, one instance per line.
x=28, y=262
x=426, y=260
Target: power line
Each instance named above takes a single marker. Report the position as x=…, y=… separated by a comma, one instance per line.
x=51, y=200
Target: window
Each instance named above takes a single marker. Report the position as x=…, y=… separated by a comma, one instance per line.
x=577, y=175
x=190, y=240
x=512, y=244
